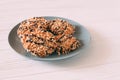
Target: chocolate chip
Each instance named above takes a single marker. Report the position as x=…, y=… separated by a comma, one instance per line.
x=40, y=43
x=29, y=40
x=32, y=35
x=54, y=21
x=40, y=38
x=35, y=42
x=31, y=30
x=32, y=51
x=26, y=34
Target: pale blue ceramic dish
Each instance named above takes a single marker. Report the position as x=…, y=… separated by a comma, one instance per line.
x=81, y=33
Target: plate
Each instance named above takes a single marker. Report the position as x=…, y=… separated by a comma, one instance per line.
x=81, y=33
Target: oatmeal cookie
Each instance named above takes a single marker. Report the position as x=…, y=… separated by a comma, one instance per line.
x=59, y=26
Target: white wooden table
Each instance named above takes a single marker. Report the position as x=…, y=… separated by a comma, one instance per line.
x=101, y=61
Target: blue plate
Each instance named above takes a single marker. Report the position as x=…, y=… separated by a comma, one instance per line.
x=81, y=33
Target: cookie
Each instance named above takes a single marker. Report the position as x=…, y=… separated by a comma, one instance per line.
x=59, y=26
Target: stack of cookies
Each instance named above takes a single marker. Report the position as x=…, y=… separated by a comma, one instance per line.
x=43, y=37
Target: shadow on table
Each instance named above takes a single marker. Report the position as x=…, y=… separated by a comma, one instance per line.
x=95, y=54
